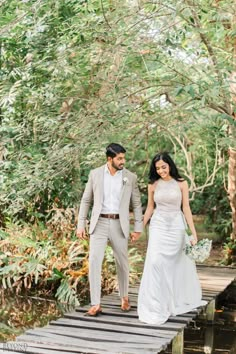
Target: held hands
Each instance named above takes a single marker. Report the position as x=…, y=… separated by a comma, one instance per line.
x=135, y=236
x=81, y=234
x=193, y=240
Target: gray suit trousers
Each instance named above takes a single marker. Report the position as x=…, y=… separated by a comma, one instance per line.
x=108, y=229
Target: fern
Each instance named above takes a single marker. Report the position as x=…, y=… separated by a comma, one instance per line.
x=67, y=293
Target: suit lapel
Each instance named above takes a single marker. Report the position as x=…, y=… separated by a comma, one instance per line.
x=101, y=182
x=124, y=182
x=100, y=177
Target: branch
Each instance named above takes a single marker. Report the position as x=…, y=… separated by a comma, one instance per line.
x=146, y=149
x=17, y=20
x=104, y=15
x=188, y=173
x=210, y=49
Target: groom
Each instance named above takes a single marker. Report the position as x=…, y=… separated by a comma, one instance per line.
x=112, y=188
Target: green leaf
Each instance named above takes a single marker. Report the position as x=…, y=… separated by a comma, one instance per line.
x=57, y=273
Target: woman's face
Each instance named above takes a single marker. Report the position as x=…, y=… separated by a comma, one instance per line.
x=163, y=169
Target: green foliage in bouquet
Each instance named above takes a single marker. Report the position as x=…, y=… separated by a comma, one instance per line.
x=199, y=252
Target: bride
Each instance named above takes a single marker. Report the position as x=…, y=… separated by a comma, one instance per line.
x=169, y=285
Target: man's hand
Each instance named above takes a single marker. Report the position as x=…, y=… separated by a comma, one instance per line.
x=135, y=236
x=81, y=234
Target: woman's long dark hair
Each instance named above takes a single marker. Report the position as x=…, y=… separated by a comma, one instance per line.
x=164, y=156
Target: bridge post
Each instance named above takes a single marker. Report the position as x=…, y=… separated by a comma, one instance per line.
x=210, y=310
x=178, y=343
x=208, y=313
x=209, y=340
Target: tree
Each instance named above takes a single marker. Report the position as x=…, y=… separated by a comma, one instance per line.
x=78, y=74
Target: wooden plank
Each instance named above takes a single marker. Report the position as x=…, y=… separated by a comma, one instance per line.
x=210, y=292
x=85, y=341
x=111, y=310
x=115, y=319
x=10, y=349
x=95, y=336
x=37, y=351
x=216, y=269
x=171, y=327
x=124, y=329
x=89, y=344
x=110, y=328
x=117, y=298
x=208, y=298
x=117, y=304
x=133, y=314
x=116, y=307
x=80, y=350
x=11, y=352
x=51, y=348
x=110, y=307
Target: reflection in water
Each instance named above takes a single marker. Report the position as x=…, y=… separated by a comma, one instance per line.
x=203, y=338
x=211, y=339
x=20, y=313
x=217, y=338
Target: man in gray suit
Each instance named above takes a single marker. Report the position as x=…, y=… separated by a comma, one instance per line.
x=111, y=188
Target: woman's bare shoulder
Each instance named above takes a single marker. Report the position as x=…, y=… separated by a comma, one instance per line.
x=183, y=184
x=152, y=186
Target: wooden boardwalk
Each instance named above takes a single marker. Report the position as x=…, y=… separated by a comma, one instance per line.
x=117, y=332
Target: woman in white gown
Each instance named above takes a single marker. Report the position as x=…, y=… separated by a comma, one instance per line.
x=170, y=284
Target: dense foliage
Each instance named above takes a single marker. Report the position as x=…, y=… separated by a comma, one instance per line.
x=76, y=75
x=49, y=261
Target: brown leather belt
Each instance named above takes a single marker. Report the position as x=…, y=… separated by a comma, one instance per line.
x=110, y=216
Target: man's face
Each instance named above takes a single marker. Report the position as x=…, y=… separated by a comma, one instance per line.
x=118, y=161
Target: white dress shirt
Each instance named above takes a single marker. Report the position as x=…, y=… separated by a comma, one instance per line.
x=111, y=192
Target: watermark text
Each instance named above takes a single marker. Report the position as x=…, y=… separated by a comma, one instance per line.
x=15, y=347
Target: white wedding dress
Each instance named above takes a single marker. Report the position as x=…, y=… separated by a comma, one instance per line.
x=170, y=284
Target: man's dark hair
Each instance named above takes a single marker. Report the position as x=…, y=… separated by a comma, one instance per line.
x=114, y=149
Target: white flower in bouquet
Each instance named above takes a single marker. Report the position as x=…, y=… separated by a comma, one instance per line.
x=199, y=252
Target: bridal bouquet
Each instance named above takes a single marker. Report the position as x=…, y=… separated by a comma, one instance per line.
x=199, y=252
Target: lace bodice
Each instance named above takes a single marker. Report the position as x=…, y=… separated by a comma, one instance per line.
x=168, y=196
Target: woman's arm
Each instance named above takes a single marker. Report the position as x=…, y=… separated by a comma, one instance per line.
x=186, y=209
x=150, y=206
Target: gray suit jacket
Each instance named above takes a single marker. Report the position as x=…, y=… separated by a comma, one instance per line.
x=94, y=192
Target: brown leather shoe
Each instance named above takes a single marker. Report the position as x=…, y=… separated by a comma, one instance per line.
x=125, y=305
x=94, y=311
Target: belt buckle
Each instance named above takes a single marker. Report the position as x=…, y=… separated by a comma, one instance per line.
x=113, y=216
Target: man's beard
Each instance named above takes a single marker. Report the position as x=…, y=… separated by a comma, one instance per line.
x=118, y=167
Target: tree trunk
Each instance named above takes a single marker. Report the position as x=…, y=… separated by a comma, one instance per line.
x=232, y=150
x=232, y=188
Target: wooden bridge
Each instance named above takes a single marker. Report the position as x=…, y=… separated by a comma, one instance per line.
x=116, y=332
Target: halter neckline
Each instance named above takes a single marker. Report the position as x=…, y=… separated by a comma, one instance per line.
x=167, y=180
